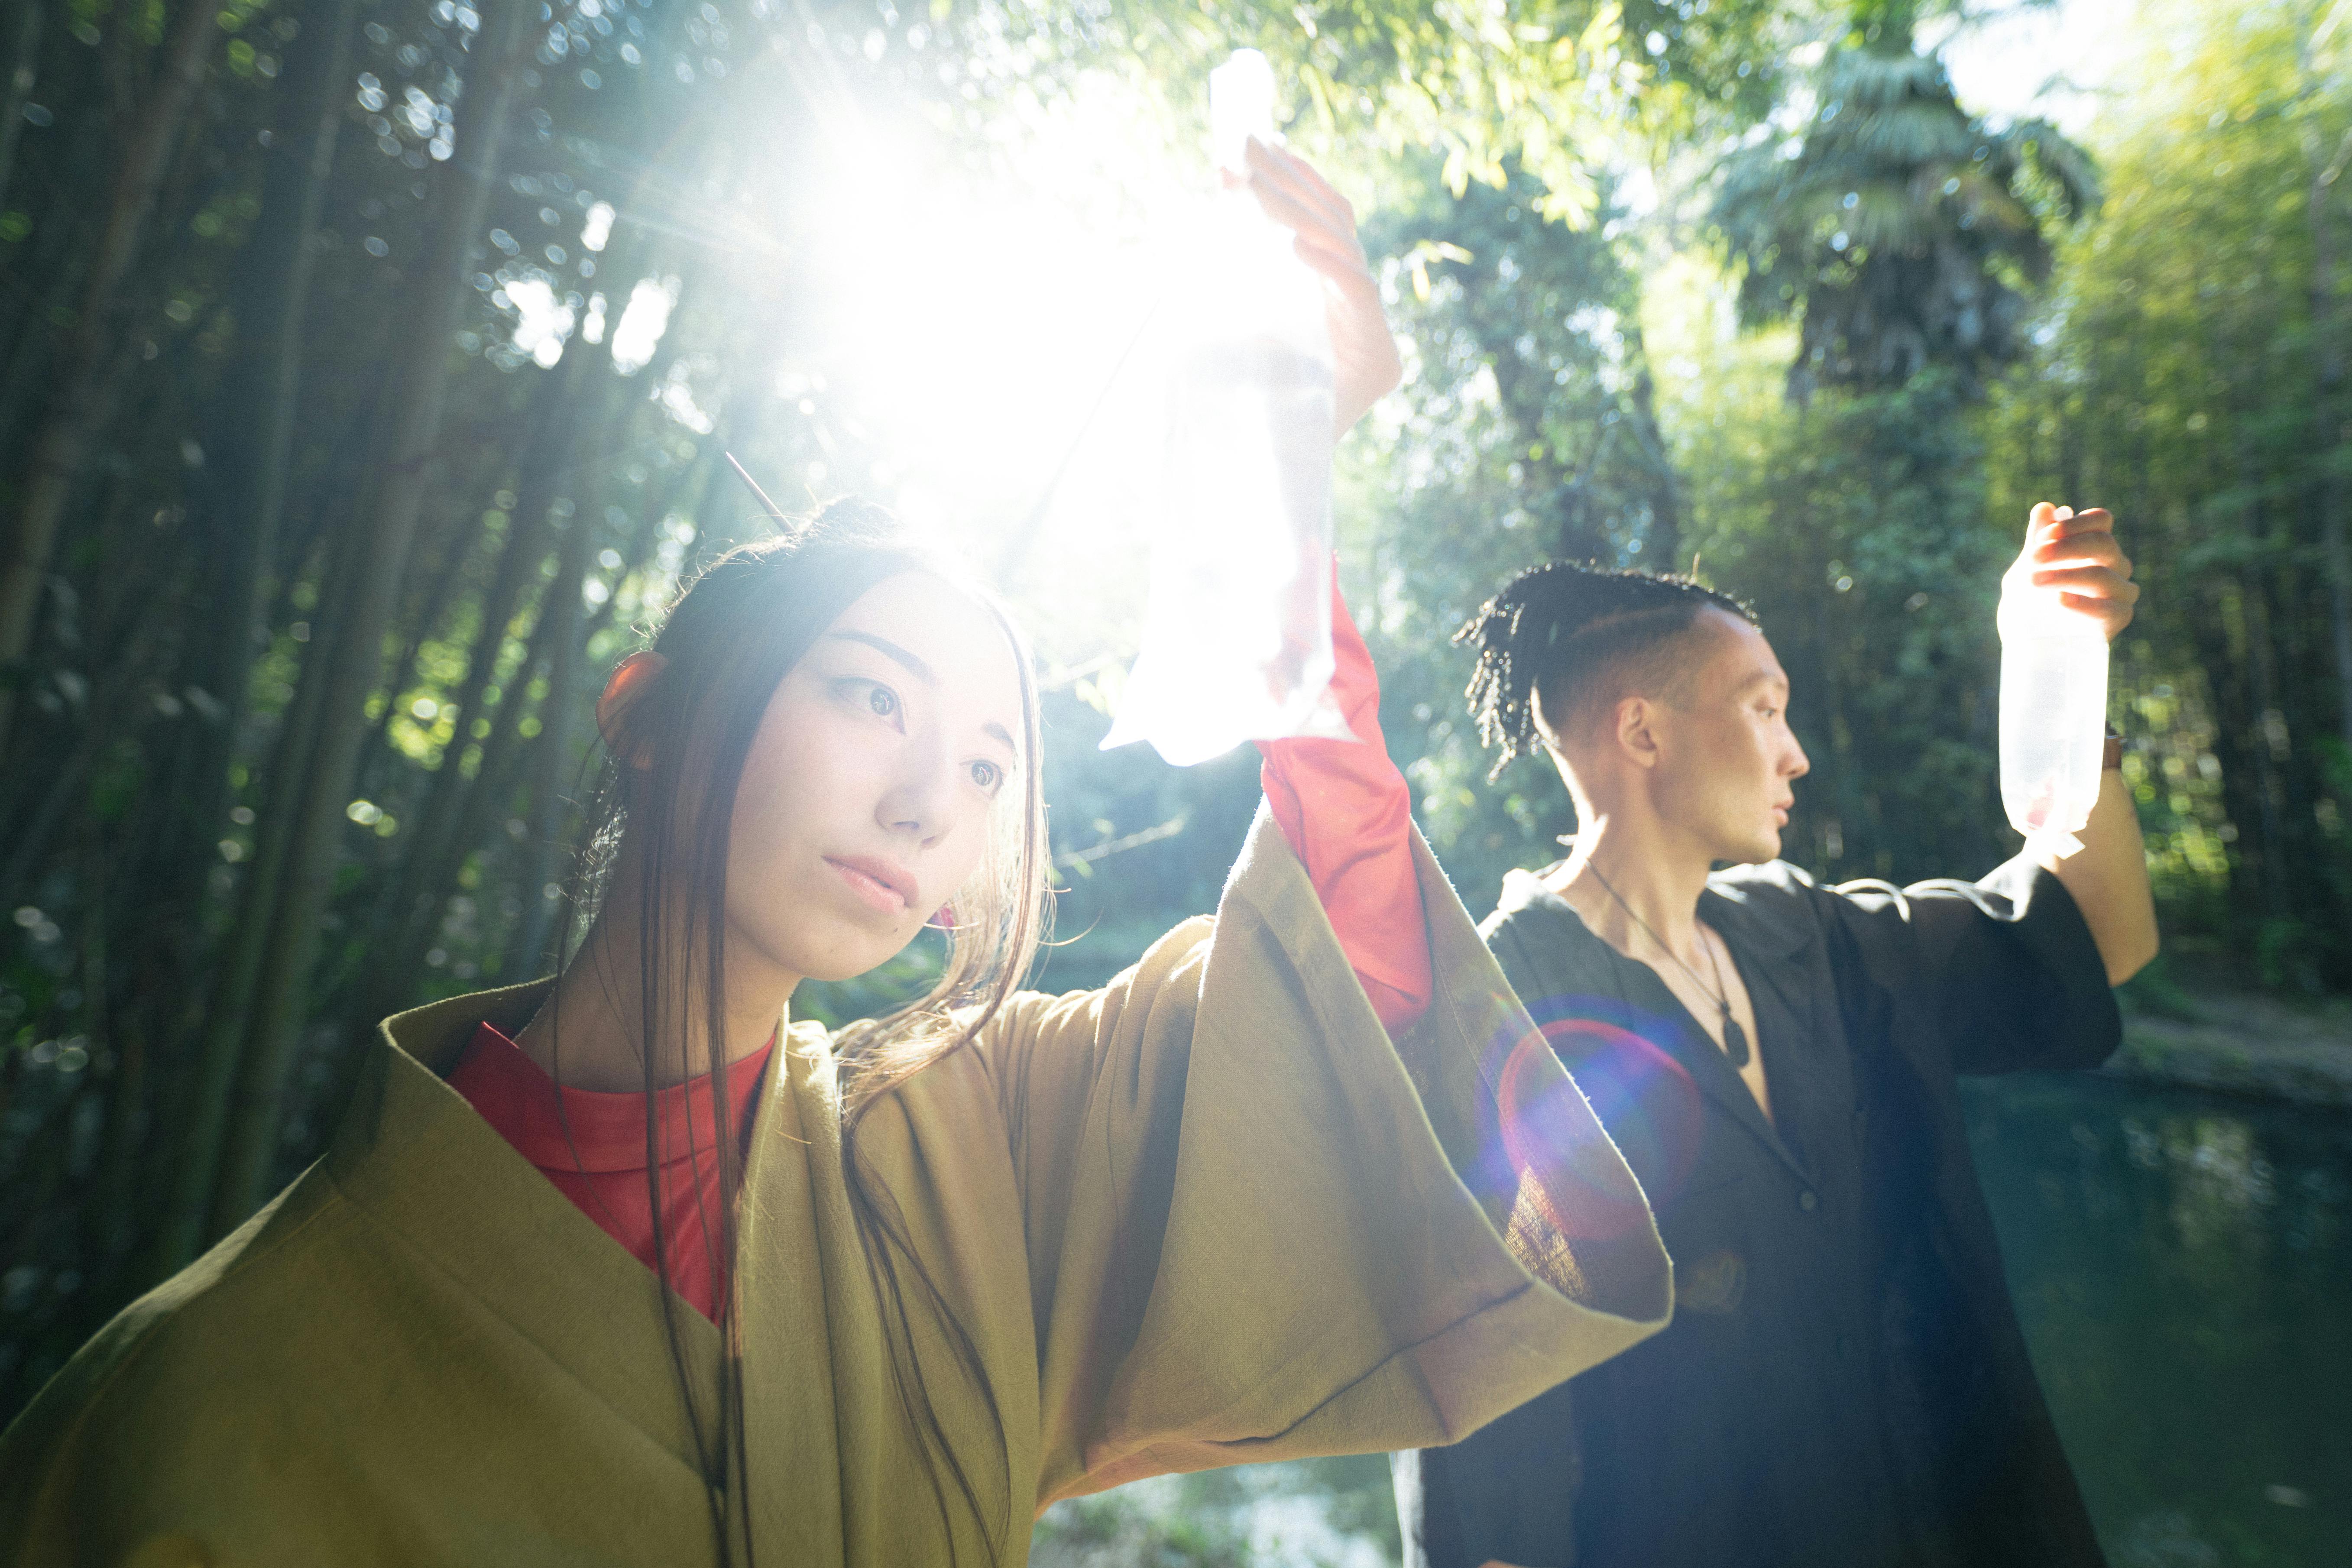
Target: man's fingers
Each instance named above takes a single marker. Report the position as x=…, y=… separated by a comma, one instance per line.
x=2079, y=547
x=2082, y=550
x=2088, y=582
x=2059, y=522
x=2093, y=520
x=2117, y=613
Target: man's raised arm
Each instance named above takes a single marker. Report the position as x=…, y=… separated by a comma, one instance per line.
x=2076, y=553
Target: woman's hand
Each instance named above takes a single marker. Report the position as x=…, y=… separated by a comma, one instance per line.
x=1365, y=363
x=2076, y=553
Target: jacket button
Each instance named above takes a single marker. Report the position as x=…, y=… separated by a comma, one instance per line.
x=1807, y=1201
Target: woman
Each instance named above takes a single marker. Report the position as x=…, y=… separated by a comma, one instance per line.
x=912, y=1283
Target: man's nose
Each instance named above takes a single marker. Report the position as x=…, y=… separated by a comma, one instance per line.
x=1796, y=764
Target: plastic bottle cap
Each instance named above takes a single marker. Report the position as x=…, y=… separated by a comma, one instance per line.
x=1241, y=105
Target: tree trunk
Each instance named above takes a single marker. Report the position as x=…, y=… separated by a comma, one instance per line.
x=530, y=957
x=203, y=1110
x=2328, y=432
x=239, y=513
x=66, y=433
x=1664, y=543
x=249, y=457
x=281, y=992
x=24, y=69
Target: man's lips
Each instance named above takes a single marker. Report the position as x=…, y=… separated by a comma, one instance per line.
x=890, y=888
x=1781, y=815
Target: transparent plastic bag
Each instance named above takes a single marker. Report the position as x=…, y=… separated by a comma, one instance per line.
x=2053, y=715
x=1237, y=626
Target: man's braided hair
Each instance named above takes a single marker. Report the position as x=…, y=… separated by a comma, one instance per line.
x=1556, y=629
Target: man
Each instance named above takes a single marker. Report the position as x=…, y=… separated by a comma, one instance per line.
x=1844, y=1385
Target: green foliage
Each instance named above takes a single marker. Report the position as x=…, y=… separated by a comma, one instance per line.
x=1527, y=432
x=1899, y=231
x=1857, y=528
x=1312, y=1514
x=2180, y=382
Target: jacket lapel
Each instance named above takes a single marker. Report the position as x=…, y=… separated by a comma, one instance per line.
x=1711, y=1071
x=1673, y=1029
x=1758, y=952
x=411, y=1153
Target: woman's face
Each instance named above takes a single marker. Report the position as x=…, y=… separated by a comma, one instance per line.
x=871, y=789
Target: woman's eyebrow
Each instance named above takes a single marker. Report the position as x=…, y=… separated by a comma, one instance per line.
x=885, y=646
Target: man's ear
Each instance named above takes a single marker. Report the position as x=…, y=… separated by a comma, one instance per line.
x=634, y=677
x=1636, y=735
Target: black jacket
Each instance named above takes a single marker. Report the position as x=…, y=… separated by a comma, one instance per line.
x=1844, y=1385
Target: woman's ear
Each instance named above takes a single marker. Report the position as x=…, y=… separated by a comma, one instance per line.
x=631, y=680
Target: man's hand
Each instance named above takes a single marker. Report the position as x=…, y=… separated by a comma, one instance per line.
x=1365, y=366
x=2076, y=553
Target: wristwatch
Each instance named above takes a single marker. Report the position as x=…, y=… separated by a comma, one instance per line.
x=2114, y=758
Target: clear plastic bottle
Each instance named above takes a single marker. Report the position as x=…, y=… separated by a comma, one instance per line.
x=1237, y=630
x=2054, y=713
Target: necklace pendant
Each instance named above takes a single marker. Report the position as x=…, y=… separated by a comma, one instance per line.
x=1734, y=1041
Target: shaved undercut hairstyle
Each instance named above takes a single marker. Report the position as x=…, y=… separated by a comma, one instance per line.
x=1563, y=638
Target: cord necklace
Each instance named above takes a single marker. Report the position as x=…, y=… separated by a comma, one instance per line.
x=1734, y=1038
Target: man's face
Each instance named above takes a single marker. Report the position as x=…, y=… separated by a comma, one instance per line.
x=1726, y=755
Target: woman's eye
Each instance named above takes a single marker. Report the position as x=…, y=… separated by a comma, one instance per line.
x=987, y=775
x=879, y=699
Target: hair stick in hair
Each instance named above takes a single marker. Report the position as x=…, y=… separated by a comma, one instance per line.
x=774, y=512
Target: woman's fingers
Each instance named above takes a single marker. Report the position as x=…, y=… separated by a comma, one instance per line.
x=1287, y=207
x=1294, y=195
x=1336, y=208
x=1366, y=362
x=1301, y=178
x=1333, y=253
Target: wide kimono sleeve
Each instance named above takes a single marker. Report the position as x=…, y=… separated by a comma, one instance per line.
x=1257, y=1229
x=2004, y=966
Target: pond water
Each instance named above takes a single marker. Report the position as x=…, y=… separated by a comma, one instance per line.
x=2183, y=1267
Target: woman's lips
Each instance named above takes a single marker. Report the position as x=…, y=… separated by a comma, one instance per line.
x=866, y=880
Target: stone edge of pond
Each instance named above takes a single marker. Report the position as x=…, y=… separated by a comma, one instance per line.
x=2301, y=1072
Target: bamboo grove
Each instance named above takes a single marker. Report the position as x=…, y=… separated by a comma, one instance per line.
x=369, y=366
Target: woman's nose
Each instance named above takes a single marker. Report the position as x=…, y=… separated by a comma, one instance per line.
x=920, y=798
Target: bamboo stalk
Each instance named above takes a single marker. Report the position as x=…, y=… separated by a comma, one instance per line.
x=353, y=650
x=69, y=430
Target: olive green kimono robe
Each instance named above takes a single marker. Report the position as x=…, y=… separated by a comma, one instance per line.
x=1206, y=1216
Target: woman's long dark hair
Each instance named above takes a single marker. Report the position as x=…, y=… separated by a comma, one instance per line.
x=669, y=782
